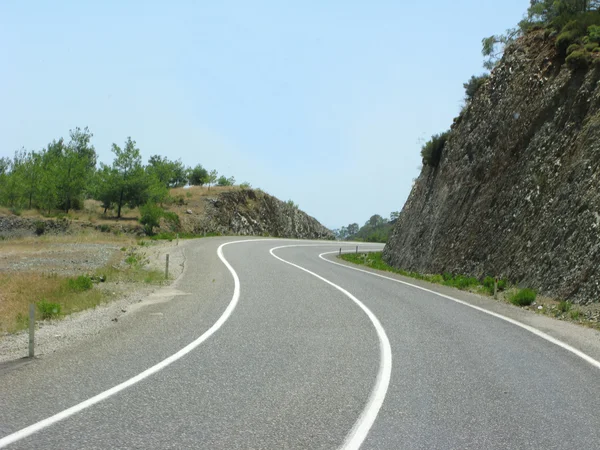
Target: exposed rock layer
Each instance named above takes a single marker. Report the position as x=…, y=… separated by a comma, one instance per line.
x=517, y=190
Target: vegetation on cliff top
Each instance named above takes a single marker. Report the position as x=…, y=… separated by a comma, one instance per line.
x=575, y=26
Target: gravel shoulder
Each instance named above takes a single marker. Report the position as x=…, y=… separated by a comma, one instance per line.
x=74, y=259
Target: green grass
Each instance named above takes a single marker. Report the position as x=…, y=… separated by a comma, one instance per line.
x=375, y=261
x=48, y=310
x=523, y=297
x=80, y=284
x=564, y=307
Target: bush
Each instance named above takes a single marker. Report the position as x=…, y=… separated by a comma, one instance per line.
x=564, y=40
x=80, y=284
x=473, y=85
x=594, y=33
x=575, y=314
x=524, y=297
x=172, y=218
x=591, y=46
x=180, y=200
x=150, y=217
x=432, y=150
x=245, y=185
x=48, y=310
x=40, y=227
x=572, y=48
x=488, y=283
x=564, y=307
x=579, y=59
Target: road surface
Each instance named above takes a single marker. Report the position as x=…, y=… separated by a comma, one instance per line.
x=271, y=346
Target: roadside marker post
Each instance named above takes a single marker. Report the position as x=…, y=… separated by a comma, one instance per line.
x=357, y=249
x=496, y=287
x=177, y=238
x=340, y=251
x=167, y=268
x=31, y=330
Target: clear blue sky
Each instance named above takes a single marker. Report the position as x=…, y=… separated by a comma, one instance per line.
x=323, y=103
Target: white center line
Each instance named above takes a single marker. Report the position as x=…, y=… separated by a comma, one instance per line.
x=364, y=423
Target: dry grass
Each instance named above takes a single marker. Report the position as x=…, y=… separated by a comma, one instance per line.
x=18, y=290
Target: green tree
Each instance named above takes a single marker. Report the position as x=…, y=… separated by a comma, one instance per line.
x=106, y=188
x=73, y=165
x=394, y=215
x=212, y=178
x=353, y=229
x=198, y=176
x=28, y=168
x=170, y=173
x=131, y=186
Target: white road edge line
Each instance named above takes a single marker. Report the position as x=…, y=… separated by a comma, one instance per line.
x=529, y=328
x=31, y=429
x=364, y=423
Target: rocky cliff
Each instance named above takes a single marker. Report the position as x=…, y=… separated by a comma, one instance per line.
x=250, y=212
x=517, y=190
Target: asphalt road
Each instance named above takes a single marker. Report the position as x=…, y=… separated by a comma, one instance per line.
x=306, y=355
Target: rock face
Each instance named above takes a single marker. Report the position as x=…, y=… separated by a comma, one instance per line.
x=14, y=226
x=517, y=190
x=251, y=212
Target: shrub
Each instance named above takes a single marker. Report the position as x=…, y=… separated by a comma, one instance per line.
x=40, y=227
x=564, y=307
x=150, y=217
x=575, y=314
x=564, y=40
x=180, y=200
x=579, y=59
x=80, y=284
x=104, y=228
x=502, y=284
x=473, y=85
x=524, y=297
x=572, y=48
x=594, y=33
x=173, y=220
x=245, y=185
x=591, y=46
x=48, y=310
x=188, y=194
x=16, y=210
x=431, y=152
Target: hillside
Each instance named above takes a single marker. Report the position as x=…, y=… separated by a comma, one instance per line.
x=219, y=210
x=516, y=190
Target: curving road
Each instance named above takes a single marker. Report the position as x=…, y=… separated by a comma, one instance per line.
x=271, y=344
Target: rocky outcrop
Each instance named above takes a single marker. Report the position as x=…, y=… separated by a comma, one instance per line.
x=250, y=212
x=517, y=189
x=15, y=226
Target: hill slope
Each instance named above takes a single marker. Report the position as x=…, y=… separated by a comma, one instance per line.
x=516, y=192
x=222, y=210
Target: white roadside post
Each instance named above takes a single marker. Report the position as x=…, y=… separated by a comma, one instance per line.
x=31, y=330
x=167, y=268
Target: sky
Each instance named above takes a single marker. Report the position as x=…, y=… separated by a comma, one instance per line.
x=326, y=103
